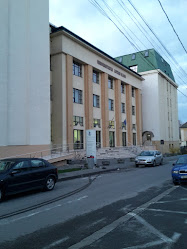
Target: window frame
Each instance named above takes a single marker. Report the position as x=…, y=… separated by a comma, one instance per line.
x=96, y=101
x=77, y=69
x=133, y=110
x=122, y=107
x=123, y=88
x=133, y=92
x=111, y=104
x=79, y=96
x=110, y=83
x=78, y=120
x=133, y=57
x=95, y=77
x=97, y=122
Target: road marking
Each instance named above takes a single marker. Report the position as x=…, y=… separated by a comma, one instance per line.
x=174, y=239
x=109, y=228
x=6, y=221
x=151, y=228
x=163, y=238
x=150, y=244
x=167, y=211
x=126, y=208
x=56, y=243
x=96, y=222
x=183, y=199
x=79, y=199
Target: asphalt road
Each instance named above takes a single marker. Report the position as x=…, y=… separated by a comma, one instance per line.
x=135, y=209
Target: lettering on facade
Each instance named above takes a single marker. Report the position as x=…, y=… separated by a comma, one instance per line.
x=111, y=69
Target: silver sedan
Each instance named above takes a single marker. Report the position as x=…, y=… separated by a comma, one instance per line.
x=149, y=157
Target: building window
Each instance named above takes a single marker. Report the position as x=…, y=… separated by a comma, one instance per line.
x=134, y=138
x=95, y=77
x=134, y=68
x=124, y=139
x=123, y=107
x=133, y=57
x=111, y=125
x=122, y=88
x=110, y=83
x=133, y=110
x=78, y=139
x=134, y=127
x=146, y=54
x=77, y=69
x=133, y=91
x=77, y=96
x=96, y=102
x=77, y=120
x=123, y=125
x=98, y=139
x=120, y=59
x=96, y=122
x=112, y=138
x=111, y=104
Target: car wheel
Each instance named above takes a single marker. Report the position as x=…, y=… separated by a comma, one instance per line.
x=2, y=195
x=161, y=162
x=154, y=164
x=176, y=183
x=50, y=183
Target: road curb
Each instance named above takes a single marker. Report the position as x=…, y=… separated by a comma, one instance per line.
x=91, y=173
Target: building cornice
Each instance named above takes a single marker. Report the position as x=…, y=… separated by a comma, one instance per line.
x=63, y=31
x=162, y=74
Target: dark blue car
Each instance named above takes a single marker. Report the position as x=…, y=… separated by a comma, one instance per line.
x=179, y=170
x=23, y=174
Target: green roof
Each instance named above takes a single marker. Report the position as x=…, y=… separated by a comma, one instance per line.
x=146, y=60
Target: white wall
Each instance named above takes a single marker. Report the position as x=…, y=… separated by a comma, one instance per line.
x=150, y=104
x=159, y=97
x=24, y=78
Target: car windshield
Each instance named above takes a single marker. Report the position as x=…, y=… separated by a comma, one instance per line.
x=5, y=165
x=182, y=160
x=147, y=153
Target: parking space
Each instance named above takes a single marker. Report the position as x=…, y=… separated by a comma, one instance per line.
x=163, y=224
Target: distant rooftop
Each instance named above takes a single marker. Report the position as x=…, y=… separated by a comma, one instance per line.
x=145, y=61
x=184, y=125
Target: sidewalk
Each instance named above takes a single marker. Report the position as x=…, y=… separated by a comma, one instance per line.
x=114, y=165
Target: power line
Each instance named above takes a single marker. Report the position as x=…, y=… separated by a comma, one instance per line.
x=143, y=31
x=172, y=26
x=156, y=37
x=98, y=6
x=127, y=34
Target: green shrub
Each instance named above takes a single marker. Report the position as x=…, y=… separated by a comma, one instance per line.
x=174, y=150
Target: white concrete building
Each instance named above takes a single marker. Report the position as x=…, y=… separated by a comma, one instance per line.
x=159, y=99
x=24, y=76
x=183, y=132
x=160, y=110
x=91, y=90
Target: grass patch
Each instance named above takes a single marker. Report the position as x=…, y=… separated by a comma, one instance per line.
x=60, y=171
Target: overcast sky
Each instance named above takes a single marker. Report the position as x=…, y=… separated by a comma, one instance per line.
x=85, y=20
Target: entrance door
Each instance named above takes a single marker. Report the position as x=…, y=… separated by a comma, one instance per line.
x=78, y=139
x=98, y=139
x=112, y=138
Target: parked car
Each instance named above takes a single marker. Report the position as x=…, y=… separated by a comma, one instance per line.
x=179, y=170
x=23, y=174
x=149, y=157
